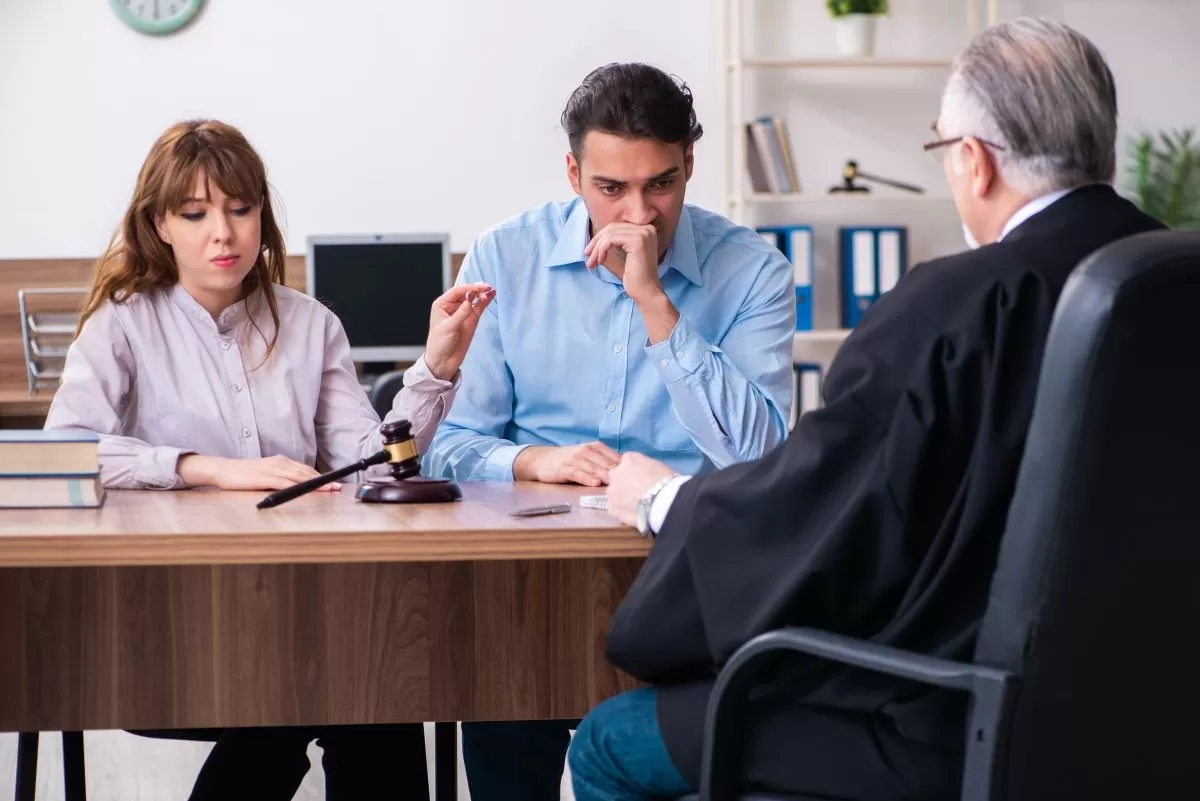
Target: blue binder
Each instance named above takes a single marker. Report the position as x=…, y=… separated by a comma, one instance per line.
x=795, y=242
x=871, y=260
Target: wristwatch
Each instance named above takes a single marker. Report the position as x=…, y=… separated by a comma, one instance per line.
x=647, y=501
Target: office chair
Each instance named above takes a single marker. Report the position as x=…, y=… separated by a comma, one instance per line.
x=1084, y=679
x=384, y=390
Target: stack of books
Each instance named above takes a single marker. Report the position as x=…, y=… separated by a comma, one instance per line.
x=49, y=469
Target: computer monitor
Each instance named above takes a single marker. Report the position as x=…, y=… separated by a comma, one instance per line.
x=381, y=287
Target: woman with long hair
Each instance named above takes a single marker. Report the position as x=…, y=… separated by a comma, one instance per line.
x=196, y=366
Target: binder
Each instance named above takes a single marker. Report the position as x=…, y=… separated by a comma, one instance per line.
x=806, y=389
x=795, y=242
x=871, y=260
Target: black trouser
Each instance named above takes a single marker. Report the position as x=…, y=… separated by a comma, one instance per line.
x=516, y=761
x=360, y=762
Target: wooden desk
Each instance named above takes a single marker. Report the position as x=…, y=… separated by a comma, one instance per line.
x=16, y=402
x=194, y=609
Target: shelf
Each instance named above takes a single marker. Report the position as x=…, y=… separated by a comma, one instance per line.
x=820, y=335
x=742, y=68
x=809, y=198
x=835, y=62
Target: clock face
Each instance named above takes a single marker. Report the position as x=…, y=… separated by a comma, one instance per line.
x=156, y=16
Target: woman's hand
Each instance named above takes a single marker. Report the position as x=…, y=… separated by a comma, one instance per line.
x=271, y=473
x=452, y=324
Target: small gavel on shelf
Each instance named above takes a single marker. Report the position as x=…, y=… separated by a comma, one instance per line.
x=406, y=485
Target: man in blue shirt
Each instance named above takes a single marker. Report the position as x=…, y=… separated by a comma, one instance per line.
x=624, y=320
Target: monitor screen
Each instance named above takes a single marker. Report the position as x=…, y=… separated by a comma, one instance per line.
x=381, y=287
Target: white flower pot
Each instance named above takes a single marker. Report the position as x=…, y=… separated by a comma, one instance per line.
x=855, y=35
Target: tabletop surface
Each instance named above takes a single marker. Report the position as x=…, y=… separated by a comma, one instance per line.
x=141, y=527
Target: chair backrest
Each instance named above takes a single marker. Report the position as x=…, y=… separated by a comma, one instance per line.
x=384, y=389
x=1095, y=602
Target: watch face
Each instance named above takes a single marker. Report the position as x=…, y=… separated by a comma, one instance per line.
x=643, y=516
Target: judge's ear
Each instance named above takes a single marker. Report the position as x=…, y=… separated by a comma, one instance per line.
x=978, y=164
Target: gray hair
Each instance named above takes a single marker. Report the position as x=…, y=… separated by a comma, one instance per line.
x=1043, y=92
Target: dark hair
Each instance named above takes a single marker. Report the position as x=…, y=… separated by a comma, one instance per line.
x=635, y=101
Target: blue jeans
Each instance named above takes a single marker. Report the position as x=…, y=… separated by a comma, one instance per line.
x=619, y=755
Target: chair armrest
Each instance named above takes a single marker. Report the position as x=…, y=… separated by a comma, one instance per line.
x=991, y=690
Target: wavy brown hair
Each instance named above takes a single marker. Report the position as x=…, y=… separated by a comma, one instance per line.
x=137, y=260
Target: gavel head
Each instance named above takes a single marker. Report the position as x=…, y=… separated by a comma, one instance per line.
x=403, y=459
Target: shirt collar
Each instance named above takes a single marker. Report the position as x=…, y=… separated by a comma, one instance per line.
x=573, y=238
x=226, y=320
x=1031, y=208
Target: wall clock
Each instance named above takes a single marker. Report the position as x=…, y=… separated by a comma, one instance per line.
x=156, y=17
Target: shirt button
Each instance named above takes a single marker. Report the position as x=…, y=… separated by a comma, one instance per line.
x=618, y=349
x=245, y=433
x=237, y=387
x=226, y=344
x=665, y=363
x=612, y=407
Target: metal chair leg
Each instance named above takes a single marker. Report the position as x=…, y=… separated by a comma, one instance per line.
x=445, y=761
x=73, y=773
x=27, y=754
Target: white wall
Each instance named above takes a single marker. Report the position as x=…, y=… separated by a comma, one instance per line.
x=404, y=116
x=374, y=115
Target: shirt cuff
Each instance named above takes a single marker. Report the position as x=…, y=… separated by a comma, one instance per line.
x=499, y=463
x=156, y=468
x=680, y=354
x=420, y=377
x=663, y=500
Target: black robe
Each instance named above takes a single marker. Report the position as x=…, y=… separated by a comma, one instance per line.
x=879, y=518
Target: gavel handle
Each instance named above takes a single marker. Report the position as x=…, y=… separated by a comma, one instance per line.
x=889, y=182
x=296, y=490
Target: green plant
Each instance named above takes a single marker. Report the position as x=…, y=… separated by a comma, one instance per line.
x=840, y=8
x=1163, y=177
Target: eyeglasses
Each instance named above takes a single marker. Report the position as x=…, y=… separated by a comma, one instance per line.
x=932, y=147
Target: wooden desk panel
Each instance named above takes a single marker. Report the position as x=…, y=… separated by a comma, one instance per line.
x=16, y=402
x=146, y=527
x=480, y=617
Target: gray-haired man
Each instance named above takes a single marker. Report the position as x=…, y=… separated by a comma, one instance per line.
x=882, y=514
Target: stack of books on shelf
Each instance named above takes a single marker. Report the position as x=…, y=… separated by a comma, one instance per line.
x=769, y=157
x=49, y=469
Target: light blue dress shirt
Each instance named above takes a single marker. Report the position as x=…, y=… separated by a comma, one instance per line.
x=561, y=356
